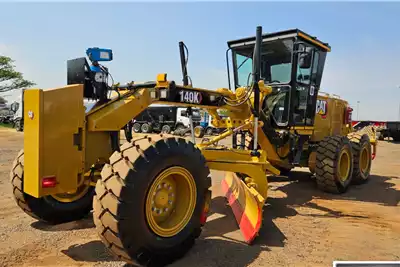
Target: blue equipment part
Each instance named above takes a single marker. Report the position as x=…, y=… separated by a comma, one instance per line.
x=204, y=120
x=203, y=124
x=96, y=54
x=95, y=68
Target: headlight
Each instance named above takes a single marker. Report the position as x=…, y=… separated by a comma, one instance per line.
x=105, y=55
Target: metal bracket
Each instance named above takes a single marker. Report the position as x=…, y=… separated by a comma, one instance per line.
x=77, y=139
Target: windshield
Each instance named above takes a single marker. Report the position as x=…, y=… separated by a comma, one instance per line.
x=276, y=62
x=196, y=114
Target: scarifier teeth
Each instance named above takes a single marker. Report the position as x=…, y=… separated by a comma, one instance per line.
x=245, y=207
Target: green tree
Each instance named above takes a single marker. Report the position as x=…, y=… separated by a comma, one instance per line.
x=10, y=79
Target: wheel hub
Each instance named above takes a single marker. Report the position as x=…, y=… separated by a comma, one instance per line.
x=344, y=165
x=164, y=197
x=364, y=159
x=165, y=215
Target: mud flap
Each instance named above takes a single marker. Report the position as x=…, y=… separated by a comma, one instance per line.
x=246, y=209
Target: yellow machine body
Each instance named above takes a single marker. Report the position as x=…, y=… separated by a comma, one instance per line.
x=330, y=117
x=50, y=126
x=70, y=145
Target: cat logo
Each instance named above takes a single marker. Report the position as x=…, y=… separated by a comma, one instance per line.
x=322, y=108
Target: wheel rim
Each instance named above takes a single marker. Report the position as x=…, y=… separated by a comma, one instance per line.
x=197, y=132
x=136, y=127
x=165, y=129
x=344, y=165
x=72, y=196
x=171, y=201
x=145, y=128
x=364, y=159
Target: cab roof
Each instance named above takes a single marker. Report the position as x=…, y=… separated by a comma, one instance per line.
x=282, y=34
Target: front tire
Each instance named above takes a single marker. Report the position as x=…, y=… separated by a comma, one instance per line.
x=198, y=132
x=18, y=125
x=131, y=192
x=334, y=166
x=48, y=209
x=166, y=129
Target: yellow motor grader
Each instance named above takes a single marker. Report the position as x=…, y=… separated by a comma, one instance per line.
x=151, y=195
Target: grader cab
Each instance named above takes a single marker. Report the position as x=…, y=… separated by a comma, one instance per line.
x=150, y=196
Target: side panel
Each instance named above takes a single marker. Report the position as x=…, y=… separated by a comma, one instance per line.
x=98, y=147
x=33, y=140
x=329, y=117
x=337, y=117
x=51, y=149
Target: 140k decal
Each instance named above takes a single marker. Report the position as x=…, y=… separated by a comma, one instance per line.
x=191, y=97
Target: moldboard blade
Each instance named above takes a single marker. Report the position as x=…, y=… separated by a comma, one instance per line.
x=245, y=207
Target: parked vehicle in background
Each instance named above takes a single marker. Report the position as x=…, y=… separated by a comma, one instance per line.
x=209, y=129
x=165, y=119
x=392, y=130
x=361, y=124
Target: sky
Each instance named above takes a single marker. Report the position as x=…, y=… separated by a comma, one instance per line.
x=364, y=64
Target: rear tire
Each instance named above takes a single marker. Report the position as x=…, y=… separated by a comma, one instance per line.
x=362, y=157
x=334, y=166
x=136, y=127
x=121, y=201
x=209, y=131
x=146, y=128
x=47, y=209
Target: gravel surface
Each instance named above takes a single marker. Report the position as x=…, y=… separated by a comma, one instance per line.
x=302, y=226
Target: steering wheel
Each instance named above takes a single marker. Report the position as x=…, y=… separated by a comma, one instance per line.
x=275, y=81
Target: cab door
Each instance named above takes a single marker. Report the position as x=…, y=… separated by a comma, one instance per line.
x=306, y=83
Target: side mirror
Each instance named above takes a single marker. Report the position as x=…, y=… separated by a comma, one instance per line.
x=304, y=55
x=14, y=106
x=305, y=60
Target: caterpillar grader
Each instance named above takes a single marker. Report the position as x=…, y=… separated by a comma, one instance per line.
x=151, y=195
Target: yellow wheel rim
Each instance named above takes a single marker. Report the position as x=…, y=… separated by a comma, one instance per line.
x=344, y=165
x=72, y=196
x=364, y=159
x=171, y=201
x=197, y=132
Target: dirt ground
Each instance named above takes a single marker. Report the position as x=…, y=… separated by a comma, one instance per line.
x=302, y=226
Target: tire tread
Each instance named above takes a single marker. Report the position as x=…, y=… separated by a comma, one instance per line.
x=107, y=216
